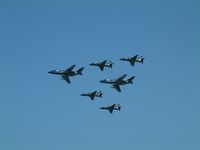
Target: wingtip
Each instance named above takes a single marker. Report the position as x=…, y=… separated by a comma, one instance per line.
x=101, y=69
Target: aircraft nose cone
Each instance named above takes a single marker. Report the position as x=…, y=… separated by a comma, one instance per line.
x=51, y=72
x=102, y=81
x=92, y=64
x=102, y=108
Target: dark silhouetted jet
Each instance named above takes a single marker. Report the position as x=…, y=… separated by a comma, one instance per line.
x=133, y=59
x=65, y=74
x=119, y=81
x=102, y=64
x=92, y=95
x=112, y=107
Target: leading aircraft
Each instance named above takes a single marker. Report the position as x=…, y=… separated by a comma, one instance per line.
x=65, y=74
x=132, y=60
x=94, y=94
x=119, y=81
x=112, y=107
x=102, y=64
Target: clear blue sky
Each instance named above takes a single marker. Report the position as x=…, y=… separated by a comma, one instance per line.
x=160, y=110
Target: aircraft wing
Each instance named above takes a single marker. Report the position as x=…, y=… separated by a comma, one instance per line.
x=121, y=78
x=117, y=87
x=132, y=62
x=66, y=78
x=135, y=57
x=110, y=110
x=92, y=97
x=102, y=65
x=71, y=68
x=104, y=62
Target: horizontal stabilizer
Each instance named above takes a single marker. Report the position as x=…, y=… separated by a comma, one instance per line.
x=130, y=80
x=79, y=71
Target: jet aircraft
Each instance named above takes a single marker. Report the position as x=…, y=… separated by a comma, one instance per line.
x=132, y=60
x=65, y=74
x=94, y=94
x=112, y=107
x=119, y=81
x=102, y=64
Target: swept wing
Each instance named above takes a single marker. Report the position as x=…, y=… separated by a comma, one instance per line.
x=70, y=68
x=121, y=78
x=117, y=87
x=66, y=78
x=133, y=60
x=102, y=65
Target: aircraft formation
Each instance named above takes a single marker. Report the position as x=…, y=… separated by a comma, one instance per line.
x=115, y=83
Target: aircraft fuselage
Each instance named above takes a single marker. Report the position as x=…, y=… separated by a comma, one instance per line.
x=126, y=59
x=62, y=72
x=98, y=64
x=112, y=107
x=109, y=81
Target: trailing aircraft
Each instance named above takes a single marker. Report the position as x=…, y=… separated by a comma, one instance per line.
x=102, y=64
x=65, y=74
x=119, y=81
x=112, y=107
x=94, y=94
x=132, y=60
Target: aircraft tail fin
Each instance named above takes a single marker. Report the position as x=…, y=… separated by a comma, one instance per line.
x=111, y=65
x=79, y=71
x=130, y=80
x=100, y=94
x=142, y=60
x=119, y=108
